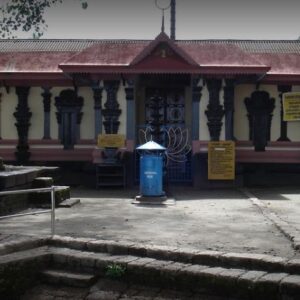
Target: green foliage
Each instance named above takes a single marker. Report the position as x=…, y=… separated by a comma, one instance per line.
x=26, y=15
x=115, y=271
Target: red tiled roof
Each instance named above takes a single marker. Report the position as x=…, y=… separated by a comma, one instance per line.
x=224, y=58
x=31, y=62
x=77, y=45
x=235, y=56
x=106, y=54
x=281, y=63
x=219, y=55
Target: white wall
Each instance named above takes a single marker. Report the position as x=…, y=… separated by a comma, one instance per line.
x=87, y=127
x=241, y=123
x=241, y=126
x=121, y=97
x=204, y=133
x=36, y=106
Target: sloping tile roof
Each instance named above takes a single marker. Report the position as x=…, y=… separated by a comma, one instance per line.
x=55, y=45
x=107, y=54
x=213, y=54
x=283, y=56
x=30, y=62
x=285, y=64
x=255, y=46
x=76, y=45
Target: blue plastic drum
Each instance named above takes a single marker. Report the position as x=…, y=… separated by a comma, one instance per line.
x=151, y=167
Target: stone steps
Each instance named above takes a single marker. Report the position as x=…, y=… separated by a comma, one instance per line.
x=65, y=278
x=196, y=278
x=251, y=261
x=240, y=276
x=21, y=243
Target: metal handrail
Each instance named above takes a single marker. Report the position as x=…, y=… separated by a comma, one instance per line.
x=41, y=190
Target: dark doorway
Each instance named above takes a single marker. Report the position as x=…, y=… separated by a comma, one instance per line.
x=165, y=122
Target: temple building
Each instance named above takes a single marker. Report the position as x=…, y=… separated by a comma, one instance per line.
x=57, y=96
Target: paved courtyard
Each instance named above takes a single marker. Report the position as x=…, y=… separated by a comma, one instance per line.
x=252, y=221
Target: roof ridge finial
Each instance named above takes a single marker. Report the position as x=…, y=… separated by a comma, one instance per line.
x=162, y=8
x=163, y=21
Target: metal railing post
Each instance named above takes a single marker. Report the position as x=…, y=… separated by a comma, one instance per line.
x=28, y=191
x=52, y=210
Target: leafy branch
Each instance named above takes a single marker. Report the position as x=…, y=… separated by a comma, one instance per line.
x=26, y=15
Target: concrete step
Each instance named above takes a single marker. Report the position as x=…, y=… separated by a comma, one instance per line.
x=36, y=256
x=65, y=278
x=21, y=243
x=251, y=261
x=240, y=283
x=160, y=267
x=68, y=203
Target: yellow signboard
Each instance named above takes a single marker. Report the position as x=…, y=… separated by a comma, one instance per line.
x=111, y=141
x=291, y=106
x=221, y=160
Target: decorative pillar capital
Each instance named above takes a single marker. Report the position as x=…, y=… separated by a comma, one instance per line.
x=284, y=88
x=129, y=91
x=130, y=116
x=97, y=91
x=22, y=92
x=214, y=87
x=260, y=112
x=111, y=112
x=195, y=80
x=111, y=87
x=196, y=90
x=46, y=98
x=215, y=111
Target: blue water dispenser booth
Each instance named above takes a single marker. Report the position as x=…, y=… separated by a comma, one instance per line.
x=151, y=170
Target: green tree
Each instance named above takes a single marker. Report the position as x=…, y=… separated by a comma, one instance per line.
x=26, y=15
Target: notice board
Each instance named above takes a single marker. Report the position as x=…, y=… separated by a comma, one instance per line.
x=291, y=106
x=221, y=160
x=111, y=141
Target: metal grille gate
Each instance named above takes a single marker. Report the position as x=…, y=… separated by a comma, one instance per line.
x=165, y=109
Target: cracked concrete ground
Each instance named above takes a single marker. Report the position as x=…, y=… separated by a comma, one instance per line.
x=223, y=220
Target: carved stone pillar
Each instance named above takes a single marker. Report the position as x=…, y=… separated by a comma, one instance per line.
x=130, y=119
x=260, y=107
x=283, y=124
x=98, y=110
x=229, y=109
x=47, y=108
x=196, y=97
x=22, y=116
x=215, y=111
x=111, y=113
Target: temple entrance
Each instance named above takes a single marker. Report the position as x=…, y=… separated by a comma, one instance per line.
x=166, y=122
x=164, y=108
